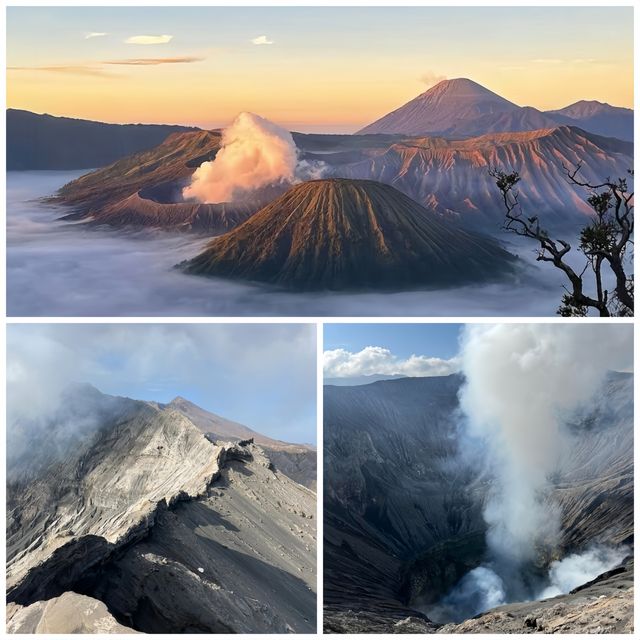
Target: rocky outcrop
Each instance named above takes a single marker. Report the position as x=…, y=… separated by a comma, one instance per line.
x=403, y=505
x=167, y=530
x=351, y=235
x=605, y=605
x=101, y=497
x=297, y=461
x=68, y=613
x=240, y=560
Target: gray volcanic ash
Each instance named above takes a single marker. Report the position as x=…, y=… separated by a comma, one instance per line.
x=157, y=529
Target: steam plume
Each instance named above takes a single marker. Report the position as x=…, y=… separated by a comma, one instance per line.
x=255, y=153
x=49, y=410
x=523, y=382
x=578, y=568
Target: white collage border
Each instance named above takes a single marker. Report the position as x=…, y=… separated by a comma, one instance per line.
x=318, y=321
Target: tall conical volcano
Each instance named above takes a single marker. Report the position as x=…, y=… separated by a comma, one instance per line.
x=443, y=107
x=340, y=234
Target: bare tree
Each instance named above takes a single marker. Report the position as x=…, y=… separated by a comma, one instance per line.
x=604, y=242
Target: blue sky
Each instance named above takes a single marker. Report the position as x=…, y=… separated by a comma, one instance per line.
x=415, y=350
x=261, y=375
x=403, y=340
x=491, y=29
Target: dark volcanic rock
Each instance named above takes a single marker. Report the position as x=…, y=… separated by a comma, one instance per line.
x=391, y=492
x=226, y=558
x=341, y=234
x=403, y=508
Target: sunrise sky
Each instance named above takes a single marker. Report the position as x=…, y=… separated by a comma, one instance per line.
x=309, y=69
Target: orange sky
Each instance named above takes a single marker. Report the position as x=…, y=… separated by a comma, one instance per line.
x=326, y=69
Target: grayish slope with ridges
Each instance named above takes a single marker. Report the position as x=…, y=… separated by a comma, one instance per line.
x=121, y=488
x=394, y=479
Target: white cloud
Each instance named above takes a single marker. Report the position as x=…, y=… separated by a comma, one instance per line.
x=261, y=40
x=95, y=34
x=163, y=39
x=44, y=359
x=430, y=78
x=262, y=375
x=340, y=363
x=548, y=61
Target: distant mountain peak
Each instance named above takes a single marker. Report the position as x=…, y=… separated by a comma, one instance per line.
x=442, y=107
x=460, y=86
x=598, y=117
x=461, y=107
x=589, y=108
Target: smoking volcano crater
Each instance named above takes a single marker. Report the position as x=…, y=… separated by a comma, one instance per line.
x=145, y=190
x=407, y=544
x=163, y=206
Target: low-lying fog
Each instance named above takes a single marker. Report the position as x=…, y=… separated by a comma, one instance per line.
x=61, y=269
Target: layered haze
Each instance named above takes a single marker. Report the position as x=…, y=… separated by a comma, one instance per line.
x=116, y=273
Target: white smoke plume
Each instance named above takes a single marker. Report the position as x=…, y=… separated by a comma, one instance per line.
x=49, y=410
x=482, y=588
x=579, y=568
x=522, y=382
x=479, y=590
x=255, y=153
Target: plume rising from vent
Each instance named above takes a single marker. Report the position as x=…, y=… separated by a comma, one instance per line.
x=255, y=153
x=523, y=384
